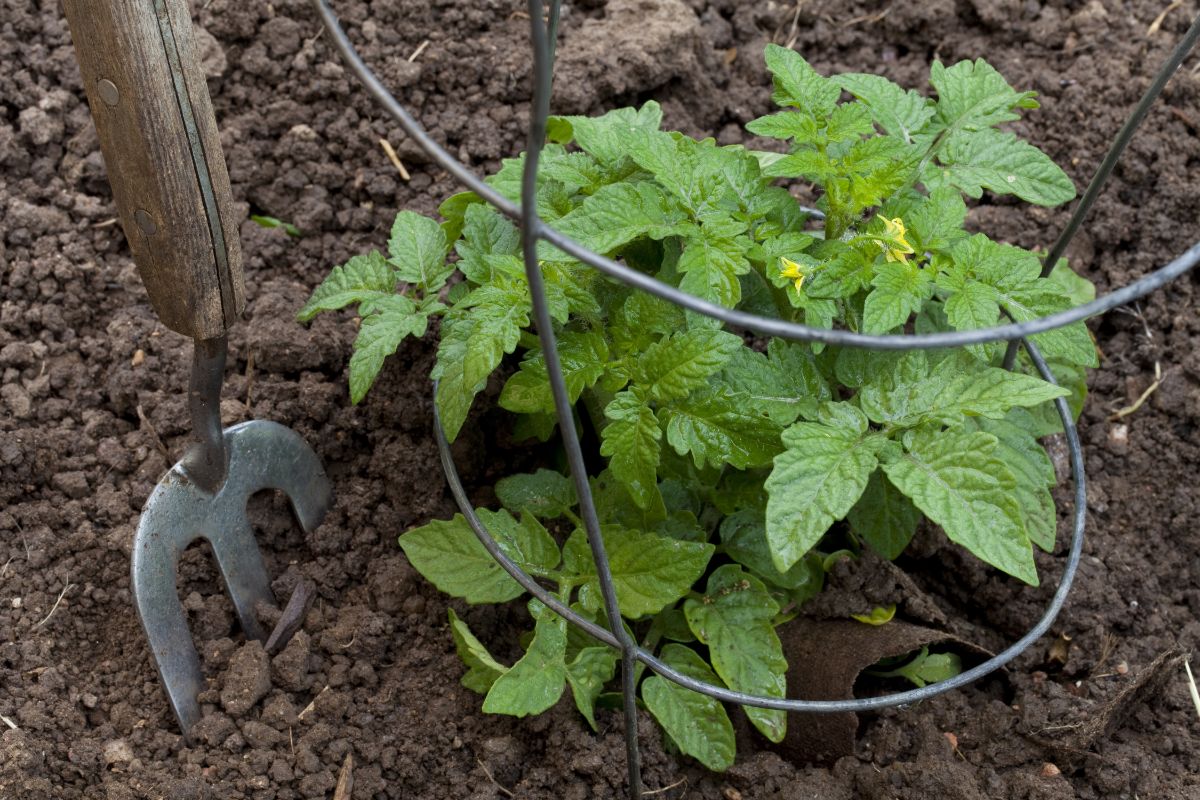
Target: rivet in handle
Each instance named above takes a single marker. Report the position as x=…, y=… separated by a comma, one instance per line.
x=145, y=222
x=108, y=92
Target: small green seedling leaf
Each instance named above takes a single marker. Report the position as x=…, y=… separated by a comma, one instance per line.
x=269, y=223
x=924, y=668
x=879, y=615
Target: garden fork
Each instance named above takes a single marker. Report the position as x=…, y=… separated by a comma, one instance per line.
x=158, y=134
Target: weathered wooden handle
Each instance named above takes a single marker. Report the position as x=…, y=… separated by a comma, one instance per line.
x=159, y=137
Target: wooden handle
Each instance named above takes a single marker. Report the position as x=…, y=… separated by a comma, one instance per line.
x=159, y=137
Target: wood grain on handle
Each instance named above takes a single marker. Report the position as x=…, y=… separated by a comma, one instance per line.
x=163, y=157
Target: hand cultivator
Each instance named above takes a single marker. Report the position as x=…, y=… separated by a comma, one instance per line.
x=159, y=137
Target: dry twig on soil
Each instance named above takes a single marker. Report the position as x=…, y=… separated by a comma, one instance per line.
x=1158, y=21
x=491, y=778
x=54, y=607
x=395, y=159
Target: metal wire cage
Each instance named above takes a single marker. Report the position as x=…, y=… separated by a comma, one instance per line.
x=543, y=32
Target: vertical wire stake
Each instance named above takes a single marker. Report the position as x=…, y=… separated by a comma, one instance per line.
x=530, y=234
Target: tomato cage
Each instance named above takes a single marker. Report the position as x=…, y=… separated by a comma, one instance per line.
x=543, y=30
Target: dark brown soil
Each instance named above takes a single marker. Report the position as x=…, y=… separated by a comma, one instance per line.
x=91, y=384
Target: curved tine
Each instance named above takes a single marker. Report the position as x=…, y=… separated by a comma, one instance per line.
x=173, y=518
x=807, y=706
x=765, y=326
x=273, y=456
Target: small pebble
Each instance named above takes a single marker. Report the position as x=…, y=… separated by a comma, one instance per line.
x=1050, y=771
x=1118, y=438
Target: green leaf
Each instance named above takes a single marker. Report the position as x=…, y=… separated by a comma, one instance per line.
x=587, y=673
x=722, y=255
x=1073, y=286
x=379, y=335
x=936, y=223
x=816, y=480
x=618, y=214
x=545, y=493
x=884, y=518
x=716, y=428
x=714, y=280
x=418, y=249
x=1071, y=343
x=696, y=723
x=606, y=137
x=536, y=681
x=482, y=669
x=976, y=305
x=805, y=162
x=870, y=172
x=583, y=357
x=734, y=619
x=454, y=210
x=1002, y=163
x=1014, y=274
x=1035, y=476
x=781, y=384
x=899, y=112
x=913, y=392
x=972, y=96
x=450, y=556
x=744, y=536
x=649, y=571
x=631, y=441
x=799, y=85
x=848, y=123
x=577, y=172
x=486, y=232
x=960, y=483
x=901, y=287
x=473, y=342
x=803, y=128
x=933, y=668
x=360, y=279
x=682, y=362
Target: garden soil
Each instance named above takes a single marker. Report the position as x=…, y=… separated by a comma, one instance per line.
x=92, y=412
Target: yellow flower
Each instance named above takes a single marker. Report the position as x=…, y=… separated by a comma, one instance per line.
x=895, y=246
x=794, y=271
